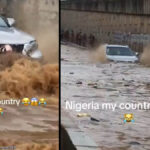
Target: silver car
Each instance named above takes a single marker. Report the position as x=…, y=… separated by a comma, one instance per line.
x=12, y=39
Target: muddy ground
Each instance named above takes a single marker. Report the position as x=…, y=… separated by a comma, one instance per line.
x=84, y=81
x=29, y=127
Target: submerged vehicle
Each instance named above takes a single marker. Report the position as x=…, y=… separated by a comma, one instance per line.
x=120, y=53
x=16, y=40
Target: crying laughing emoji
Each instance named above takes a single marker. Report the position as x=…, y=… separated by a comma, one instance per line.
x=128, y=118
x=26, y=101
x=42, y=101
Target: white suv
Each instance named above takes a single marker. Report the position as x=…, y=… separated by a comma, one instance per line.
x=12, y=39
x=120, y=53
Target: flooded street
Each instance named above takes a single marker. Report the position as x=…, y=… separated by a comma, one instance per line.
x=84, y=81
x=33, y=126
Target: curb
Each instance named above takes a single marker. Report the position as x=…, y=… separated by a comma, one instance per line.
x=79, y=139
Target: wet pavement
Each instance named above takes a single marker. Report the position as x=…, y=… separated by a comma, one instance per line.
x=84, y=81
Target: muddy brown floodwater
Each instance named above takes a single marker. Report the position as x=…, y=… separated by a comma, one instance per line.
x=28, y=127
x=102, y=83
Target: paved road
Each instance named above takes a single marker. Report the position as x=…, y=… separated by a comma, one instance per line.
x=83, y=81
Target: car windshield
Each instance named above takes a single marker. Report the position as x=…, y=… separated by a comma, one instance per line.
x=120, y=51
x=3, y=22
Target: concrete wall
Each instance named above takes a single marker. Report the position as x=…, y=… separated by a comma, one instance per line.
x=3, y=4
x=117, y=28
x=37, y=13
x=31, y=14
x=112, y=6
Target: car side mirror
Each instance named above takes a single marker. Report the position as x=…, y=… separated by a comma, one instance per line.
x=11, y=21
x=137, y=54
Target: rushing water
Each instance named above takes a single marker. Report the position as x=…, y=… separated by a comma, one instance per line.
x=29, y=127
x=83, y=81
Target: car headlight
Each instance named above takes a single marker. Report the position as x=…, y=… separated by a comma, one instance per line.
x=29, y=47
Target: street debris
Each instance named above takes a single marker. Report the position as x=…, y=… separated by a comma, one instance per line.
x=94, y=119
x=71, y=73
x=83, y=115
x=134, y=143
x=79, y=82
x=92, y=84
